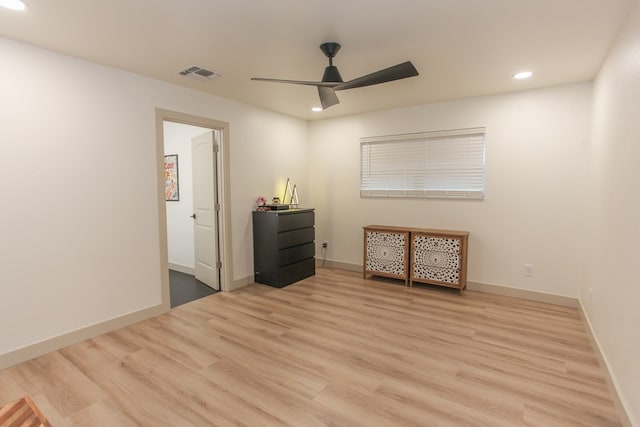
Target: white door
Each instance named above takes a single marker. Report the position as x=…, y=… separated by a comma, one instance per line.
x=203, y=150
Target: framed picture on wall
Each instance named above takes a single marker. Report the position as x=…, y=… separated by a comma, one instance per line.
x=171, y=188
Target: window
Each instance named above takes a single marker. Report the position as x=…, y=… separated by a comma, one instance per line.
x=447, y=164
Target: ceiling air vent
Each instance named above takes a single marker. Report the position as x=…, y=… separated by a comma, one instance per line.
x=197, y=73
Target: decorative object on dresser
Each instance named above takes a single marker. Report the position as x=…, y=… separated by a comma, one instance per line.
x=262, y=204
x=283, y=246
x=437, y=257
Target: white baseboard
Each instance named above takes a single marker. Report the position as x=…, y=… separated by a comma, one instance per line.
x=618, y=400
x=46, y=346
x=523, y=293
x=240, y=283
x=182, y=268
x=478, y=286
x=338, y=265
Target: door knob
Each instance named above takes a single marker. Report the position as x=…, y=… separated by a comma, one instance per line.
x=193, y=216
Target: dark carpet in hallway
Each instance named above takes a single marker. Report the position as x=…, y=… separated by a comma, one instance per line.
x=185, y=288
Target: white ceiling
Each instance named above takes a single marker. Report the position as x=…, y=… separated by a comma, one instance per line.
x=461, y=48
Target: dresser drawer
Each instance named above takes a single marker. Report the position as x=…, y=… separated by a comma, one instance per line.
x=293, y=221
x=295, y=237
x=295, y=254
x=297, y=271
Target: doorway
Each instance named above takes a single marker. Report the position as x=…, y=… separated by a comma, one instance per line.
x=194, y=242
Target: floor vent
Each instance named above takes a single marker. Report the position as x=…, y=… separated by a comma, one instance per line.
x=198, y=73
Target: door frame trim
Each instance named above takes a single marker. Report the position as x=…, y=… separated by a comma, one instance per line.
x=224, y=196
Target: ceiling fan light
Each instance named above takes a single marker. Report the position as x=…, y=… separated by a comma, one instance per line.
x=13, y=4
x=522, y=75
x=316, y=109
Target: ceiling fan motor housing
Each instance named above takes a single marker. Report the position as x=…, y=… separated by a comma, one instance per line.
x=331, y=74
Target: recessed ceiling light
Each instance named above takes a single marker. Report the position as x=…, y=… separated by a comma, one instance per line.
x=13, y=4
x=523, y=75
x=316, y=109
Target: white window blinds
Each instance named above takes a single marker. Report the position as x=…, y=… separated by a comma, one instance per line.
x=447, y=164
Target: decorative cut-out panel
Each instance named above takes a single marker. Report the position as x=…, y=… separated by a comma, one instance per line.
x=439, y=244
x=385, y=252
x=445, y=275
x=436, y=258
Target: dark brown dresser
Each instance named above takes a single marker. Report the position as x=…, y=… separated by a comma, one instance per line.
x=283, y=246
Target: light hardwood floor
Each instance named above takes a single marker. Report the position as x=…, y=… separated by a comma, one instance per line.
x=334, y=350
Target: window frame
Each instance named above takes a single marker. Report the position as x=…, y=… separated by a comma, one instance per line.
x=473, y=140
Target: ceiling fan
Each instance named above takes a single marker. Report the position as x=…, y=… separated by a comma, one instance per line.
x=332, y=81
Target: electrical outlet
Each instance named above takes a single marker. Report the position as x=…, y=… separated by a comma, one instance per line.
x=528, y=270
x=325, y=244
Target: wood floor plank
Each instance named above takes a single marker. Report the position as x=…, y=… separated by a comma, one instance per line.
x=199, y=398
x=274, y=397
x=446, y=403
x=134, y=393
x=10, y=390
x=102, y=414
x=62, y=384
x=299, y=374
x=332, y=350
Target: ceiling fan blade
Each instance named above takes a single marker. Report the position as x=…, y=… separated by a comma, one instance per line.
x=298, y=82
x=396, y=72
x=328, y=97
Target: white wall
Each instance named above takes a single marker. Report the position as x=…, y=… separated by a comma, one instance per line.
x=534, y=206
x=79, y=230
x=180, y=239
x=614, y=227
